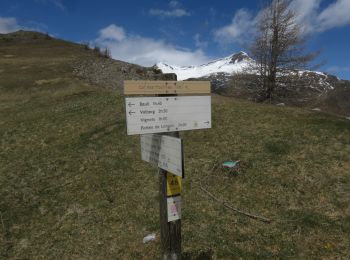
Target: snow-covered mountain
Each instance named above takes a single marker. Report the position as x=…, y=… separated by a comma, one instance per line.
x=220, y=71
x=234, y=63
x=295, y=87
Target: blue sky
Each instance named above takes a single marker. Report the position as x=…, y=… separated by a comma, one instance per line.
x=181, y=32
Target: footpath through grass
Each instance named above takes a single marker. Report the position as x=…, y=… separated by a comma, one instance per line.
x=72, y=184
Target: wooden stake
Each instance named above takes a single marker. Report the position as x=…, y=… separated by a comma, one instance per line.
x=170, y=232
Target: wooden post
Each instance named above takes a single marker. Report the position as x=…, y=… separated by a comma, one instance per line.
x=170, y=232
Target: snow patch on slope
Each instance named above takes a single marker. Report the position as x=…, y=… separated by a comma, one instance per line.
x=235, y=63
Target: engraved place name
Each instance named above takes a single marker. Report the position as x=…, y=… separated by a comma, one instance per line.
x=146, y=120
x=154, y=103
x=147, y=112
x=161, y=126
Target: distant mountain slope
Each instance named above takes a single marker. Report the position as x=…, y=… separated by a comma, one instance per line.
x=220, y=70
x=231, y=76
x=234, y=63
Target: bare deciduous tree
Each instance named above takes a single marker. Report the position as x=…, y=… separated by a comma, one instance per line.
x=278, y=47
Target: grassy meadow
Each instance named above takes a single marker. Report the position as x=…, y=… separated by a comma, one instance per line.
x=73, y=186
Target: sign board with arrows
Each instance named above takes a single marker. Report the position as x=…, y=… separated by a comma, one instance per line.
x=147, y=115
x=164, y=152
x=140, y=87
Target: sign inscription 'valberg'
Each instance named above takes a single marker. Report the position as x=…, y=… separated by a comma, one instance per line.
x=140, y=87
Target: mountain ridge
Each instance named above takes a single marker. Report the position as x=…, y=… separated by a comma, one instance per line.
x=235, y=62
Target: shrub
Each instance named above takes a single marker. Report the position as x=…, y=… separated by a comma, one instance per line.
x=86, y=46
x=47, y=36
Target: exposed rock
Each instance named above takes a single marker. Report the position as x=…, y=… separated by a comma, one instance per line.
x=111, y=73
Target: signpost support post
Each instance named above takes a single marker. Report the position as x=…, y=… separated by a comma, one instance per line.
x=170, y=232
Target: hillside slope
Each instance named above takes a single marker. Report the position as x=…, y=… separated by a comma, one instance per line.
x=73, y=186
x=57, y=60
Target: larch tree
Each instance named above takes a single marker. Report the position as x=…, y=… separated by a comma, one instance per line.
x=278, y=47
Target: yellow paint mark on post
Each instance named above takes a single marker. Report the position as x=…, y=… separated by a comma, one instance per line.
x=174, y=184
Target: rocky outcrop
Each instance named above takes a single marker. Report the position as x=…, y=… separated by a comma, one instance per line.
x=109, y=73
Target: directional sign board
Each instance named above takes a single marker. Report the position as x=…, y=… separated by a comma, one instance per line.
x=147, y=115
x=139, y=87
x=164, y=152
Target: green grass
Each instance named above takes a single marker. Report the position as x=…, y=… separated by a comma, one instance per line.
x=72, y=184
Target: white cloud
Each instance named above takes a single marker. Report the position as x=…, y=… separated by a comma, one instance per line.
x=309, y=16
x=198, y=42
x=178, y=12
x=335, y=69
x=58, y=3
x=315, y=20
x=147, y=51
x=8, y=24
x=174, y=11
x=241, y=26
x=335, y=15
x=112, y=32
x=174, y=4
x=306, y=11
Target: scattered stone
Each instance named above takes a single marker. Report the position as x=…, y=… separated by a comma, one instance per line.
x=149, y=238
x=316, y=109
x=280, y=104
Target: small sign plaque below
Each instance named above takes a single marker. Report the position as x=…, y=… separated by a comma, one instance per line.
x=174, y=208
x=174, y=184
x=165, y=152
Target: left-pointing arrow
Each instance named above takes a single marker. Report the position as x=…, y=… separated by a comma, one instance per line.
x=130, y=104
x=131, y=112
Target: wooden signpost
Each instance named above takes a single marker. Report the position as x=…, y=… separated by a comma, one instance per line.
x=166, y=114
